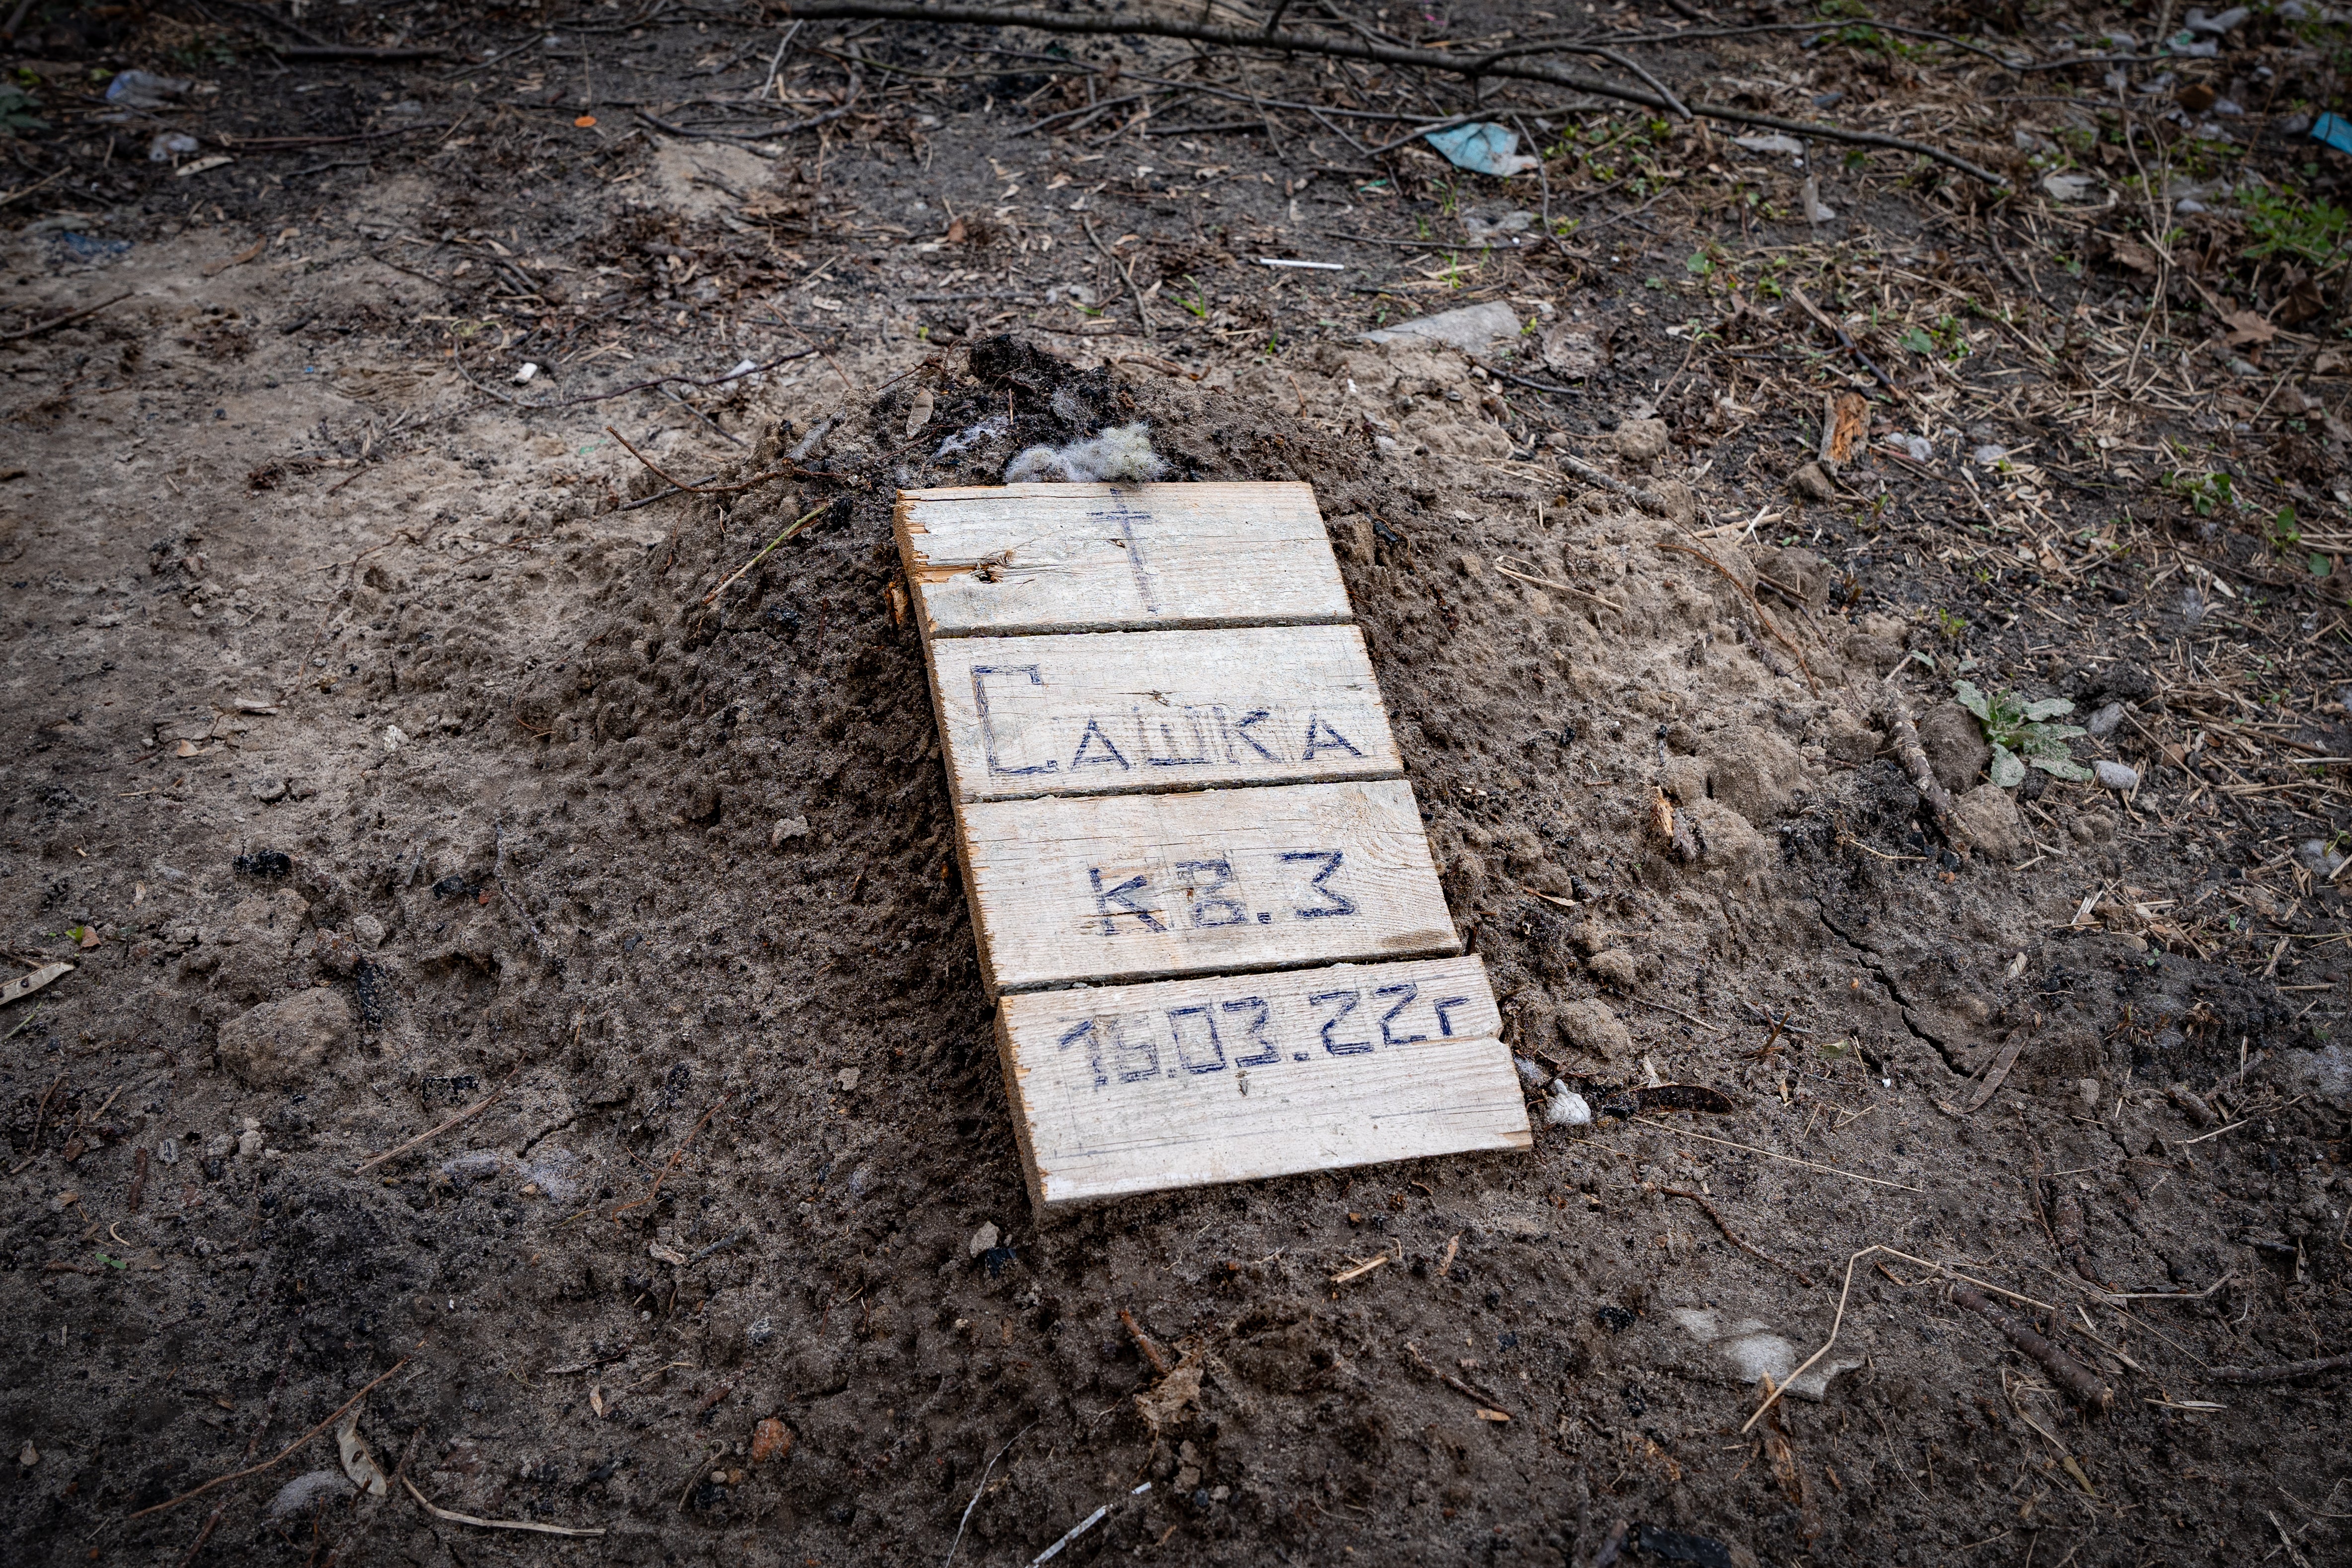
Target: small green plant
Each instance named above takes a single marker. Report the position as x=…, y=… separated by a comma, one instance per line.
x=2207, y=493
x=1951, y=625
x=1196, y=301
x=2021, y=736
x=16, y=107
x=2281, y=224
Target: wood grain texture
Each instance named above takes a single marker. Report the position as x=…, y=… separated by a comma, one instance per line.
x=1128, y=1089
x=1131, y=887
x=1006, y=558
x=1117, y=712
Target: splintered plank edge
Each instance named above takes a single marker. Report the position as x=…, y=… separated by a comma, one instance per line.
x=1128, y=1089
x=1133, y=887
x=1004, y=559
x=1123, y=711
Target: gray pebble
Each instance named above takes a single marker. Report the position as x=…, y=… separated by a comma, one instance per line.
x=2116, y=776
x=2107, y=721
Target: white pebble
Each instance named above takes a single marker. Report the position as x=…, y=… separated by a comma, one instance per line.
x=2115, y=775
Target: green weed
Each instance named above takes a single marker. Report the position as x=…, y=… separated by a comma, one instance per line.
x=2021, y=736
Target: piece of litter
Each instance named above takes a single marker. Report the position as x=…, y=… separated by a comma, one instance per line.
x=1752, y=1352
x=359, y=1459
x=1568, y=1108
x=530, y=368
x=1483, y=148
x=1918, y=447
x=1471, y=328
x=202, y=164
x=2068, y=187
x=1775, y=143
x=2335, y=131
x=994, y=427
x=1302, y=265
x=26, y=985
x=1809, y=196
x=142, y=89
x=1121, y=454
x=1987, y=456
x=171, y=145
x=919, y=409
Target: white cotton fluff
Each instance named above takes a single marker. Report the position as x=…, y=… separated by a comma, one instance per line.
x=1121, y=454
x=303, y=1491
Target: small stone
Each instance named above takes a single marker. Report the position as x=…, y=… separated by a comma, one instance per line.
x=982, y=1241
x=1640, y=440
x=786, y=830
x=2105, y=722
x=2088, y=1089
x=1809, y=484
x=849, y=1079
x=269, y=792
x=249, y=1142
x=369, y=930
x=2115, y=775
x=1568, y=1108
x=28, y=1456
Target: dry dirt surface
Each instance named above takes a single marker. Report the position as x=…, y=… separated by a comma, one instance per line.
x=523, y=1093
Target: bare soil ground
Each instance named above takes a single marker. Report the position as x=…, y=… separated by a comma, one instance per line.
x=390, y=737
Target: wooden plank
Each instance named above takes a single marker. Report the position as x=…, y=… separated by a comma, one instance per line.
x=1002, y=558
x=1129, y=1089
x=1129, y=887
x=1117, y=712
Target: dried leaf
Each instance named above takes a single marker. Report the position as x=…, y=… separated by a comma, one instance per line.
x=2247, y=327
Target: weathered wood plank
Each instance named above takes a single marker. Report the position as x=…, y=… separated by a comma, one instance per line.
x=1128, y=887
x=1128, y=1089
x=1117, y=712
x=1001, y=558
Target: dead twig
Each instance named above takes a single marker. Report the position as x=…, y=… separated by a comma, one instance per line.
x=1474, y=66
x=454, y=1517
x=54, y=321
x=1161, y=1365
x=475, y=1109
x=2283, y=1372
x=275, y=1459
x=1733, y=1236
x=798, y=524
x=2088, y=1391
x=675, y=1157
x=1489, y=1408
x=676, y=483
x=1905, y=735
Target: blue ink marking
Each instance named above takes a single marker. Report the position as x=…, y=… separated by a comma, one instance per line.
x=1407, y=991
x=1175, y=758
x=1127, y=516
x=1226, y=910
x=1321, y=736
x=1272, y=1054
x=1302, y=1056
x=1105, y=897
x=1348, y=1001
x=1242, y=728
x=1263, y=918
x=1183, y=1053
x=1120, y=1048
x=1445, y=1024
x=1340, y=905
x=1085, y=1031
x=1093, y=735
x=988, y=731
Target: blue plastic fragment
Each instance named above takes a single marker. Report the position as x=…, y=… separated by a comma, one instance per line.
x=1482, y=148
x=2334, y=130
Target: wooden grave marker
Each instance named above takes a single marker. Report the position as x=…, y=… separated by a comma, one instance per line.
x=1202, y=890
